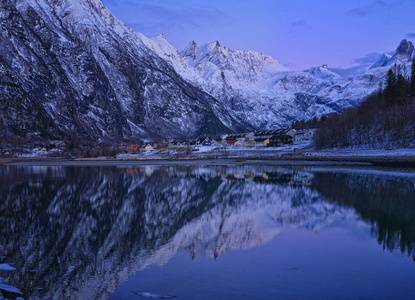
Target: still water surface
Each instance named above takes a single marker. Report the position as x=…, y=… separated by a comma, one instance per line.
x=220, y=232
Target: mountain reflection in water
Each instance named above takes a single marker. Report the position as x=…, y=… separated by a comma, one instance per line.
x=79, y=232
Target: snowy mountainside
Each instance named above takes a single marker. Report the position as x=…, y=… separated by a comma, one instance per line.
x=264, y=94
x=70, y=68
x=352, y=90
x=218, y=64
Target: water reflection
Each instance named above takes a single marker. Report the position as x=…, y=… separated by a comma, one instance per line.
x=386, y=202
x=78, y=232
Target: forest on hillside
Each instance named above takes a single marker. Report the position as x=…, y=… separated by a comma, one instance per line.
x=385, y=119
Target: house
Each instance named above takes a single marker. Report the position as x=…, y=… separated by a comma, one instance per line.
x=236, y=136
x=270, y=133
x=173, y=144
x=217, y=141
x=207, y=142
x=132, y=149
x=290, y=132
x=250, y=143
x=234, y=143
x=262, y=142
x=280, y=140
x=147, y=147
x=40, y=150
x=231, y=142
x=302, y=136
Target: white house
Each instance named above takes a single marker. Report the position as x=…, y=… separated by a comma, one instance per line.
x=303, y=136
x=148, y=148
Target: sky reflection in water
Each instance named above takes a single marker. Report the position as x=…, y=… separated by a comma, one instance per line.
x=100, y=232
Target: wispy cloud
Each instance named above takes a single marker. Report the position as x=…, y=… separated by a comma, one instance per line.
x=359, y=11
x=377, y=5
x=298, y=25
x=410, y=35
x=367, y=59
x=360, y=64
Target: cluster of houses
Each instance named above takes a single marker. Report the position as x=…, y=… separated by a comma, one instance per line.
x=269, y=138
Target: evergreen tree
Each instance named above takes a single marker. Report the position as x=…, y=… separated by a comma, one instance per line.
x=401, y=89
x=412, y=83
x=390, y=90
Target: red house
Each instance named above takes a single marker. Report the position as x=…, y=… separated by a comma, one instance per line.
x=132, y=149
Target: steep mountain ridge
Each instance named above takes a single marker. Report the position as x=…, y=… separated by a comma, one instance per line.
x=404, y=54
x=86, y=74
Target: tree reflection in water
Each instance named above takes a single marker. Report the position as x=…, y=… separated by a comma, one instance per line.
x=78, y=232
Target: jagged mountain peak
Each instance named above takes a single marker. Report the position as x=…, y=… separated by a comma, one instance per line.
x=323, y=72
x=225, y=58
x=215, y=44
x=189, y=51
x=403, y=55
x=405, y=48
x=160, y=37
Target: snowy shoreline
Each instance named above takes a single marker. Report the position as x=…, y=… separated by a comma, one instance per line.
x=404, y=157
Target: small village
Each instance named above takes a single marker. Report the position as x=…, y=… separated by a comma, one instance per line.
x=251, y=140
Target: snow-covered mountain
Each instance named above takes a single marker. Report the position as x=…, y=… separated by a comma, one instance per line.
x=264, y=94
x=222, y=67
x=69, y=67
x=404, y=55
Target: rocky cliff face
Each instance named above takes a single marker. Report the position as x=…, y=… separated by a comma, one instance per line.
x=71, y=68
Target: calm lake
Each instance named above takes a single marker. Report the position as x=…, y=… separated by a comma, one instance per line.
x=206, y=232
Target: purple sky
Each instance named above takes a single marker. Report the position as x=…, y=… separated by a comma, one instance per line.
x=299, y=33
